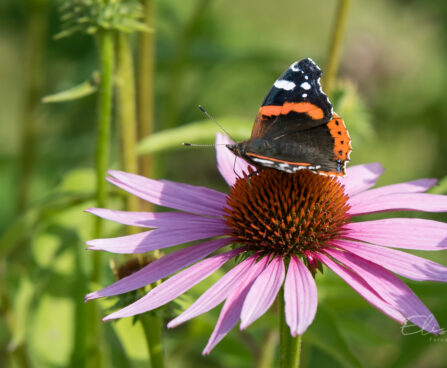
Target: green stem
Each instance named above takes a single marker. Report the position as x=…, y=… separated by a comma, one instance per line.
x=146, y=66
x=105, y=95
x=289, y=346
x=338, y=32
x=152, y=327
x=126, y=110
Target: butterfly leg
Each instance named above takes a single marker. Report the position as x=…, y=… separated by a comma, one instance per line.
x=234, y=168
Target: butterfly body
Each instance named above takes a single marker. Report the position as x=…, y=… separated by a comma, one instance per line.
x=296, y=128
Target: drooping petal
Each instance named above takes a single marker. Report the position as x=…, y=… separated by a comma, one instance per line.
x=404, y=264
x=231, y=310
x=156, y=239
x=183, y=197
x=390, y=288
x=415, y=186
x=230, y=166
x=216, y=294
x=263, y=292
x=153, y=219
x=399, y=202
x=300, y=297
x=176, y=285
x=361, y=177
x=407, y=233
x=362, y=288
x=161, y=268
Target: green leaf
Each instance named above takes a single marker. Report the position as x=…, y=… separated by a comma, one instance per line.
x=80, y=180
x=22, y=303
x=81, y=90
x=196, y=132
x=441, y=188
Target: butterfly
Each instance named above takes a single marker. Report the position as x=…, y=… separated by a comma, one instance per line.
x=296, y=127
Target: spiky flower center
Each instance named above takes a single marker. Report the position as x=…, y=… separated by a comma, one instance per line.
x=279, y=213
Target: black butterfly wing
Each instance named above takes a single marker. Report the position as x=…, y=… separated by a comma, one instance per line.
x=323, y=149
x=296, y=127
x=295, y=102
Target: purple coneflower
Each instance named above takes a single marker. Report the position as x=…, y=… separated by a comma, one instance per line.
x=285, y=226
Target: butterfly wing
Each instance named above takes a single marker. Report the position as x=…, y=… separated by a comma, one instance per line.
x=296, y=127
x=295, y=101
x=323, y=149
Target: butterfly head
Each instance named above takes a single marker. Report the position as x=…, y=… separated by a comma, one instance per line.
x=237, y=148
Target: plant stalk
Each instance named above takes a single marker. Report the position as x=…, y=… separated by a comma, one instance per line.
x=105, y=96
x=106, y=55
x=152, y=326
x=125, y=84
x=289, y=346
x=335, y=46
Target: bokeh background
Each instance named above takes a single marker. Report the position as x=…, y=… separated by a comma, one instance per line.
x=391, y=90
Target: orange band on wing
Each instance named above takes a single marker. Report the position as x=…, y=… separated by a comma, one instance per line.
x=308, y=108
x=342, y=141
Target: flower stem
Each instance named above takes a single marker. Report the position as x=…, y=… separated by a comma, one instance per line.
x=338, y=32
x=105, y=94
x=125, y=84
x=289, y=346
x=146, y=61
x=152, y=326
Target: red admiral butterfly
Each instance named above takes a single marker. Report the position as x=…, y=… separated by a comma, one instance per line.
x=296, y=127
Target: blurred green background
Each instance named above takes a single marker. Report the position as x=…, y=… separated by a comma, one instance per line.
x=391, y=91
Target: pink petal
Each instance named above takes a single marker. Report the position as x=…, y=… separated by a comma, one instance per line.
x=300, y=296
x=263, y=292
x=217, y=293
x=183, y=197
x=408, y=233
x=390, y=288
x=152, y=219
x=361, y=177
x=404, y=264
x=161, y=268
x=156, y=239
x=362, y=288
x=176, y=285
x=230, y=166
x=415, y=186
x=230, y=313
x=399, y=202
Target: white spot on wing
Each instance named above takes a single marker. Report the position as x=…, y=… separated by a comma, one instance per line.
x=263, y=162
x=306, y=77
x=305, y=86
x=304, y=95
x=284, y=84
x=295, y=67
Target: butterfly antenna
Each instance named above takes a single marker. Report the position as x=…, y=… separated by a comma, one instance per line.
x=186, y=144
x=214, y=120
